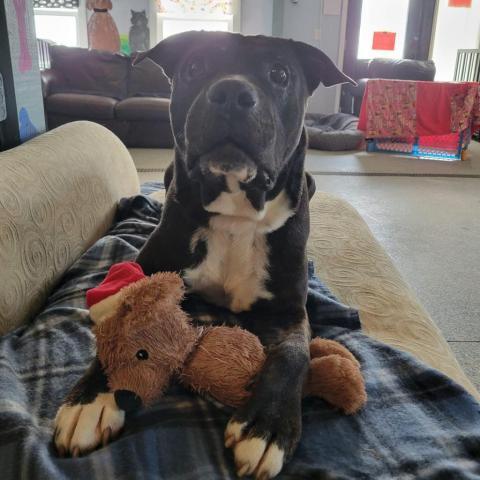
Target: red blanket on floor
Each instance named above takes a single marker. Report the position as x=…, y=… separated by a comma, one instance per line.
x=404, y=108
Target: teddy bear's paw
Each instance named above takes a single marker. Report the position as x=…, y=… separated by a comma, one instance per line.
x=322, y=347
x=80, y=428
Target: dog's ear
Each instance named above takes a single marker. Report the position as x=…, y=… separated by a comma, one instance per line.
x=169, y=52
x=318, y=67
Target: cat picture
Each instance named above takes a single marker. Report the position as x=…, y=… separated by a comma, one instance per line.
x=139, y=35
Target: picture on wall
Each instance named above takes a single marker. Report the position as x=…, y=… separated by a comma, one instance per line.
x=101, y=28
x=139, y=34
x=22, y=49
x=118, y=25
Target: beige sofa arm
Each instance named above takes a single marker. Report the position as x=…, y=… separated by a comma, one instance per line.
x=58, y=195
x=359, y=272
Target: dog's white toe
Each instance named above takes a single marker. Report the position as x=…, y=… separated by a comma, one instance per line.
x=248, y=454
x=253, y=455
x=271, y=464
x=83, y=427
x=233, y=432
x=65, y=423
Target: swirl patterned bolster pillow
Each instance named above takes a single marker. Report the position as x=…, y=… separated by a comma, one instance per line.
x=58, y=194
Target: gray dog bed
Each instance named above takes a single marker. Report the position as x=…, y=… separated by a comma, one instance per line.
x=336, y=131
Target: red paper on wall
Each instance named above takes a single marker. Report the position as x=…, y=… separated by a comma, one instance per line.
x=460, y=3
x=383, y=41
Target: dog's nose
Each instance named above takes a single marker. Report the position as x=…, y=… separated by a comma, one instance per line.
x=232, y=92
x=127, y=400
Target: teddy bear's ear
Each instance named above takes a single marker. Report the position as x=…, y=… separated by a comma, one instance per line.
x=169, y=285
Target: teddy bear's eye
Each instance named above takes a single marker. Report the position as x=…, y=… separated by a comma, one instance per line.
x=142, y=355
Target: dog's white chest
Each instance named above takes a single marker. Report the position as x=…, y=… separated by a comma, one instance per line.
x=234, y=271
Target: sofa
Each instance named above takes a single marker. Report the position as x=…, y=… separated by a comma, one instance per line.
x=403, y=69
x=57, y=199
x=131, y=101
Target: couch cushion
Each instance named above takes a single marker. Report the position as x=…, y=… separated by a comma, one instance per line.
x=90, y=71
x=401, y=69
x=146, y=79
x=80, y=105
x=143, y=108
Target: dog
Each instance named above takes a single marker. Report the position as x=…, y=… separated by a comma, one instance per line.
x=235, y=222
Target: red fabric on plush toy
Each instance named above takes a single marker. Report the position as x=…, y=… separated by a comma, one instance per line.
x=102, y=300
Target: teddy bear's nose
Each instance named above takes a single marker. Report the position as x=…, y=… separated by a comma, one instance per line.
x=127, y=400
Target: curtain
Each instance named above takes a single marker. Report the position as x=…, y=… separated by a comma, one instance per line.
x=195, y=6
x=55, y=3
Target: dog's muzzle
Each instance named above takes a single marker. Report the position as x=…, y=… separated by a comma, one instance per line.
x=228, y=160
x=226, y=137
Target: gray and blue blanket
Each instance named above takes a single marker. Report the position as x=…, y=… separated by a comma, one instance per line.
x=417, y=424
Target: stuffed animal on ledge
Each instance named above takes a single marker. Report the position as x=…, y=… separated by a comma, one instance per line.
x=145, y=339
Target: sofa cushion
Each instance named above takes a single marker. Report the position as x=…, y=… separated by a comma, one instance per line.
x=86, y=106
x=401, y=69
x=90, y=71
x=146, y=79
x=143, y=108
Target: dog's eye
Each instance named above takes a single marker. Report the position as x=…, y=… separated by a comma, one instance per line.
x=195, y=69
x=142, y=355
x=279, y=75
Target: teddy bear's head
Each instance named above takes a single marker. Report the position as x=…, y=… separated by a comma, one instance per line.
x=145, y=339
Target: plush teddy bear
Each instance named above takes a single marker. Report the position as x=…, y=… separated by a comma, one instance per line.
x=144, y=339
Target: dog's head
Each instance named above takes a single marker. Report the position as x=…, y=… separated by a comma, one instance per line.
x=238, y=102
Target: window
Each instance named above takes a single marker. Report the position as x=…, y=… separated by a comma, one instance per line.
x=61, y=21
x=176, y=16
x=171, y=24
x=456, y=28
x=57, y=25
x=382, y=17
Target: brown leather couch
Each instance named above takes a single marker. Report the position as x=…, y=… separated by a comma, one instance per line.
x=131, y=101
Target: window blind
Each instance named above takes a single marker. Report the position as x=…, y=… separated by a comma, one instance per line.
x=55, y=3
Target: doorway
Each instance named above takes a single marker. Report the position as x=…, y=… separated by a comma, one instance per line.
x=389, y=29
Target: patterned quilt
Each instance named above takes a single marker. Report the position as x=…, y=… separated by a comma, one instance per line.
x=417, y=424
x=407, y=108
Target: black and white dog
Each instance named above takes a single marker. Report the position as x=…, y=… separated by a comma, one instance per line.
x=236, y=223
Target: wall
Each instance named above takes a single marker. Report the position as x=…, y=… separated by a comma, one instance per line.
x=256, y=16
x=305, y=21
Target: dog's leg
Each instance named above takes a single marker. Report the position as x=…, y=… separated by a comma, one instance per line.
x=89, y=416
x=265, y=432
x=168, y=176
x=311, y=187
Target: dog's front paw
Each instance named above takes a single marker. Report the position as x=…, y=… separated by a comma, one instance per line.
x=263, y=438
x=80, y=428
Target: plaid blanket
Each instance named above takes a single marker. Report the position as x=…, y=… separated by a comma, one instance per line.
x=417, y=424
